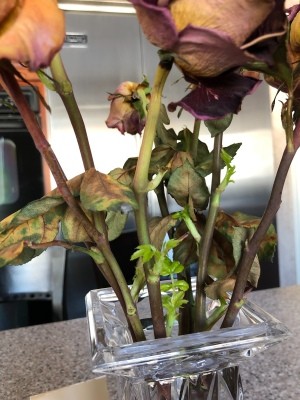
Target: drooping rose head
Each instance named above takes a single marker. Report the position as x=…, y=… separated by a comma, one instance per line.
x=210, y=41
x=128, y=107
x=31, y=31
x=206, y=36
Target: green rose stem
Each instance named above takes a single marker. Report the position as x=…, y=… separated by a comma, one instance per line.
x=186, y=310
x=194, y=145
x=113, y=274
x=140, y=187
x=254, y=243
x=64, y=88
x=200, y=323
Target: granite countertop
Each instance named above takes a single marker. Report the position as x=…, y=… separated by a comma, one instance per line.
x=46, y=357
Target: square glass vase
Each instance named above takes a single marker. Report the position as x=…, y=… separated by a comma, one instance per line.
x=200, y=365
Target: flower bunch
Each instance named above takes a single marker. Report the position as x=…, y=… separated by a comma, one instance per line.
x=222, y=59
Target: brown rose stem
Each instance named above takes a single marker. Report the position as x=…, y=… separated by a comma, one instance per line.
x=200, y=322
x=252, y=248
x=140, y=187
x=112, y=273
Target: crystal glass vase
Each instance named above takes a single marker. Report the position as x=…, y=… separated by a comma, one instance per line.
x=189, y=367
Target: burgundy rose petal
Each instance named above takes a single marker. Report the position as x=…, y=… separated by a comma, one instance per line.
x=218, y=97
x=293, y=11
x=156, y=23
x=207, y=52
x=133, y=123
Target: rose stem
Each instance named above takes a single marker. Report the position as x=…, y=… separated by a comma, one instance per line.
x=113, y=273
x=252, y=248
x=207, y=236
x=140, y=185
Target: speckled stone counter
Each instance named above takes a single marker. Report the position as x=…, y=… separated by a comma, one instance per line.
x=45, y=357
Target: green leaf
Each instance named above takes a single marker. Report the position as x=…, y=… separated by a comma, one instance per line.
x=167, y=303
x=115, y=221
x=164, y=135
x=100, y=192
x=165, y=287
x=171, y=244
x=139, y=280
x=204, y=167
x=181, y=285
x=165, y=266
x=178, y=299
x=217, y=126
x=186, y=185
x=171, y=267
x=202, y=152
x=145, y=251
x=160, y=158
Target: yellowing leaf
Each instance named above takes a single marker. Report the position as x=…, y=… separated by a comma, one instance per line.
x=40, y=229
x=72, y=229
x=100, y=192
x=31, y=210
x=74, y=185
x=10, y=252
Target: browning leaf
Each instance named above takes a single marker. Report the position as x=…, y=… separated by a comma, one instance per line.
x=268, y=244
x=186, y=251
x=159, y=228
x=100, y=192
x=218, y=289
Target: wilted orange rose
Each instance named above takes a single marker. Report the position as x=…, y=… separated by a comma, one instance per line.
x=128, y=107
x=31, y=31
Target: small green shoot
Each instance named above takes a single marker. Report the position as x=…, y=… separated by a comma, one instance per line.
x=173, y=290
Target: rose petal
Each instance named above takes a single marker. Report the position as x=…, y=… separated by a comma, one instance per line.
x=6, y=7
x=157, y=23
x=237, y=18
x=207, y=52
x=34, y=35
x=217, y=97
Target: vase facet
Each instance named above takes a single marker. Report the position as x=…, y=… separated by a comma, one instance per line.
x=215, y=385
